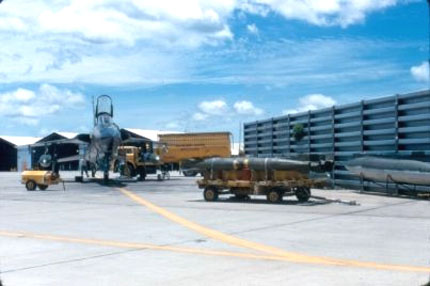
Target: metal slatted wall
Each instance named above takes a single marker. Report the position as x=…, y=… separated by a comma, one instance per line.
x=397, y=126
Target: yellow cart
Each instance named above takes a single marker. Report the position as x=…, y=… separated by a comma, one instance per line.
x=40, y=179
x=274, y=184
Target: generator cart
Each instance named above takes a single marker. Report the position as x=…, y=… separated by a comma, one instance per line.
x=40, y=179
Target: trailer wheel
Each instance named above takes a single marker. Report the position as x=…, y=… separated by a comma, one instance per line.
x=303, y=194
x=30, y=185
x=274, y=196
x=42, y=187
x=210, y=194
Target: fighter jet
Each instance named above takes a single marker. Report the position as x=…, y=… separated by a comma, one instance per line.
x=104, y=140
x=387, y=169
x=101, y=144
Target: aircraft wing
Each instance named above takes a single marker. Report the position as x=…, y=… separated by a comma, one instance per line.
x=69, y=159
x=133, y=141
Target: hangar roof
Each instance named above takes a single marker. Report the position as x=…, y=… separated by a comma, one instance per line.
x=20, y=140
x=68, y=135
x=58, y=135
x=150, y=134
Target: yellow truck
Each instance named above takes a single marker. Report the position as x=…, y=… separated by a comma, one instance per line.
x=140, y=163
x=177, y=148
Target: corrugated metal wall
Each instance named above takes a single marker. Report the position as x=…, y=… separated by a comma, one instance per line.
x=397, y=125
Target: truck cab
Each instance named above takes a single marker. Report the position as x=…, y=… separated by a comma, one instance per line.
x=139, y=161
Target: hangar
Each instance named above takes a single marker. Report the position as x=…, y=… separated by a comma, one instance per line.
x=9, y=146
x=26, y=153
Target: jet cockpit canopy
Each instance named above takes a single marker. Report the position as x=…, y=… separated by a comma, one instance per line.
x=104, y=106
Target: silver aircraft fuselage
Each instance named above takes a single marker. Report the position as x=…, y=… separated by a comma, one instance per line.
x=396, y=170
x=105, y=140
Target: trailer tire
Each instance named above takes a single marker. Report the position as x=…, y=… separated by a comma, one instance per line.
x=274, y=196
x=303, y=194
x=42, y=187
x=30, y=185
x=210, y=194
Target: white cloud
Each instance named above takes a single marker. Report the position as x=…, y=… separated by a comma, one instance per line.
x=247, y=108
x=28, y=107
x=252, y=28
x=327, y=12
x=421, y=72
x=200, y=116
x=216, y=107
x=189, y=22
x=113, y=42
x=221, y=110
x=312, y=102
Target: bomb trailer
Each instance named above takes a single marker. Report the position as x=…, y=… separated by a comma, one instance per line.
x=274, y=178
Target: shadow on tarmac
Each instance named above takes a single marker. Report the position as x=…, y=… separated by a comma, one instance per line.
x=233, y=200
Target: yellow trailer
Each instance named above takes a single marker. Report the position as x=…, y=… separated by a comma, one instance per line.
x=40, y=179
x=272, y=183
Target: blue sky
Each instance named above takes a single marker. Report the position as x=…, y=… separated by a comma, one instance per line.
x=201, y=65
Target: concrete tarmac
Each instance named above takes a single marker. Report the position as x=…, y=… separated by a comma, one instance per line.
x=164, y=233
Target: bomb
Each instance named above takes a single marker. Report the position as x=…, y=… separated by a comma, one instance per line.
x=257, y=164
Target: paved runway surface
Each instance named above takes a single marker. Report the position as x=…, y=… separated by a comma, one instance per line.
x=163, y=233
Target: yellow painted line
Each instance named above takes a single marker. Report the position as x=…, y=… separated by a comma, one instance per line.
x=135, y=245
x=271, y=251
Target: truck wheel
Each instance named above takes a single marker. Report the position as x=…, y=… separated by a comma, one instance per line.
x=42, y=187
x=30, y=185
x=274, y=196
x=303, y=194
x=210, y=194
